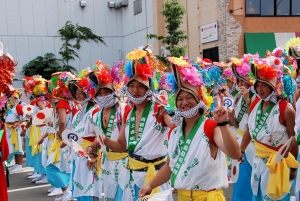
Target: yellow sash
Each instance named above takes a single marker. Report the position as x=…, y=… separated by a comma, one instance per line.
x=198, y=195
x=55, y=147
x=113, y=156
x=279, y=173
x=34, y=135
x=51, y=136
x=85, y=144
x=240, y=132
x=14, y=136
x=151, y=172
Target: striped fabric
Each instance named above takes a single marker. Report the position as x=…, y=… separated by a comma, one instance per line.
x=261, y=42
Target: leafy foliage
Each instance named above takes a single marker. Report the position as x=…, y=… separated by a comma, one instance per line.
x=71, y=32
x=49, y=64
x=173, y=13
x=43, y=65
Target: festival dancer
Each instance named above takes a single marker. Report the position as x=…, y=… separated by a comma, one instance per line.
x=145, y=127
x=239, y=119
x=36, y=87
x=109, y=122
x=196, y=164
x=270, y=124
x=294, y=51
x=7, y=69
x=13, y=121
x=86, y=171
x=57, y=167
x=4, y=152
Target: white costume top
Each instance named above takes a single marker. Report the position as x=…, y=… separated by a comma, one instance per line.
x=243, y=125
x=114, y=172
x=297, y=132
x=154, y=141
x=64, y=165
x=10, y=117
x=199, y=171
x=273, y=134
x=84, y=181
x=153, y=144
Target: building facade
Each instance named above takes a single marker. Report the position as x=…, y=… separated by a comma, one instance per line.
x=30, y=28
x=243, y=26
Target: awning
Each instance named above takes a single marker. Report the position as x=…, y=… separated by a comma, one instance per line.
x=261, y=42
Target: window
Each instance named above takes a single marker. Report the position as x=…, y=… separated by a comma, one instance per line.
x=253, y=7
x=272, y=8
x=283, y=7
x=267, y=7
x=295, y=7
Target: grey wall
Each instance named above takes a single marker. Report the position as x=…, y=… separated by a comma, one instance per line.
x=28, y=28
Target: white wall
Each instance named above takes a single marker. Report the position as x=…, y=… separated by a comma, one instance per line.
x=28, y=28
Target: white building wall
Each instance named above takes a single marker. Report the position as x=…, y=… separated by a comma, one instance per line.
x=28, y=28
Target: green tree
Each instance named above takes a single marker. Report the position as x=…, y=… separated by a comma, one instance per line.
x=173, y=13
x=42, y=65
x=69, y=33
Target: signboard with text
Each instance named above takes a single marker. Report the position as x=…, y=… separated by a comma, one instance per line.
x=209, y=32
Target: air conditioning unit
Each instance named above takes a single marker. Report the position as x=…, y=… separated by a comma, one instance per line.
x=164, y=51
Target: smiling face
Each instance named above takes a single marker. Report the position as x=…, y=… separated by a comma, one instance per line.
x=80, y=95
x=263, y=89
x=137, y=89
x=185, y=101
x=104, y=92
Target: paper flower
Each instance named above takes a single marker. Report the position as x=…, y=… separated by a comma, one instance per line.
x=243, y=70
x=136, y=54
x=179, y=61
x=191, y=75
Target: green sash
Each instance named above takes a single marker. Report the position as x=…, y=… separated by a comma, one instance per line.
x=184, y=146
x=107, y=132
x=132, y=141
x=1, y=134
x=260, y=119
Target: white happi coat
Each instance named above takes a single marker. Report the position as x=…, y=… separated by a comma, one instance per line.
x=273, y=134
x=64, y=165
x=199, y=170
x=153, y=144
x=50, y=130
x=297, y=132
x=243, y=125
x=114, y=172
x=84, y=181
x=10, y=117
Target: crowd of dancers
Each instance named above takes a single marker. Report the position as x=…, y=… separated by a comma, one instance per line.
x=140, y=127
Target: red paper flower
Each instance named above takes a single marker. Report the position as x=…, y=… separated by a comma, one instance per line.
x=144, y=71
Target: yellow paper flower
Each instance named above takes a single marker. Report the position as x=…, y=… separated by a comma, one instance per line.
x=292, y=43
x=236, y=61
x=179, y=61
x=136, y=54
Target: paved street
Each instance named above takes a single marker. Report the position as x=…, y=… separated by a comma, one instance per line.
x=22, y=189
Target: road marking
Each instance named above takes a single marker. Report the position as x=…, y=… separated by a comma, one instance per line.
x=26, y=169
x=28, y=188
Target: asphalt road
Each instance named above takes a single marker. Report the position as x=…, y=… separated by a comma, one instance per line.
x=22, y=189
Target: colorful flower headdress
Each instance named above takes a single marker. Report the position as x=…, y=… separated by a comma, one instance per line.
x=35, y=85
x=204, y=63
x=242, y=68
x=7, y=69
x=228, y=74
x=141, y=66
x=82, y=82
x=293, y=47
x=58, y=85
x=107, y=77
x=186, y=77
x=272, y=71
